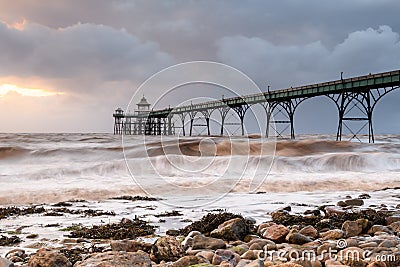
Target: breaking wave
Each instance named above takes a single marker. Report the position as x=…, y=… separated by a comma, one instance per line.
x=39, y=167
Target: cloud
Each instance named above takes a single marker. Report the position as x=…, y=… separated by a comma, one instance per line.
x=99, y=51
x=362, y=52
x=82, y=52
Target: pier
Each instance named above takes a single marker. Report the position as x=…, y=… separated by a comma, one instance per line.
x=360, y=93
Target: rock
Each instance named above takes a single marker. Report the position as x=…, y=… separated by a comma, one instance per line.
x=189, y=260
x=332, y=234
x=341, y=204
x=240, y=249
x=309, y=231
x=32, y=236
x=368, y=245
x=354, y=202
x=387, y=244
x=248, y=238
x=276, y=233
x=377, y=264
x=235, y=229
x=172, y=232
x=203, y=242
x=332, y=263
x=287, y=208
x=250, y=255
x=208, y=255
x=188, y=241
x=334, y=211
x=392, y=219
x=250, y=220
x=296, y=238
x=131, y=246
x=16, y=259
x=352, y=256
x=379, y=228
x=364, y=196
x=166, y=248
x=227, y=256
x=255, y=246
x=262, y=226
x=316, y=263
x=16, y=252
x=395, y=226
x=325, y=248
x=48, y=258
x=243, y=262
x=289, y=264
x=116, y=259
x=270, y=245
x=351, y=228
x=303, y=262
x=6, y=263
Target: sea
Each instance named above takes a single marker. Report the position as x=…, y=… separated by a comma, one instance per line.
x=46, y=168
x=248, y=175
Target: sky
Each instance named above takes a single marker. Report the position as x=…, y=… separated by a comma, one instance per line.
x=66, y=65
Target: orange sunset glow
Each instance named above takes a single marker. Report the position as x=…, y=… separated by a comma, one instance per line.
x=7, y=88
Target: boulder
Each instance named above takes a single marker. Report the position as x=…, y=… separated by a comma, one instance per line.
x=166, y=248
x=332, y=234
x=5, y=263
x=351, y=228
x=379, y=228
x=288, y=264
x=189, y=260
x=395, y=226
x=392, y=219
x=295, y=238
x=203, y=242
x=48, y=258
x=227, y=256
x=131, y=246
x=270, y=245
x=276, y=233
x=116, y=259
x=235, y=229
x=208, y=255
x=354, y=202
x=309, y=231
x=352, y=256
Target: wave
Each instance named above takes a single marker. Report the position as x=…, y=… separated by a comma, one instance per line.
x=12, y=152
x=38, y=166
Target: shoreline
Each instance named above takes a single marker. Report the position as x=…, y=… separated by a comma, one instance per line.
x=40, y=227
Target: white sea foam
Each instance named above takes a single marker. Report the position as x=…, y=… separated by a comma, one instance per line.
x=36, y=168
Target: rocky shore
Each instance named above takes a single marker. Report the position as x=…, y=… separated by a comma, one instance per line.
x=349, y=233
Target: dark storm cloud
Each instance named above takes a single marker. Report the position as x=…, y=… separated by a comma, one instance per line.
x=189, y=29
x=362, y=52
x=105, y=45
x=79, y=52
